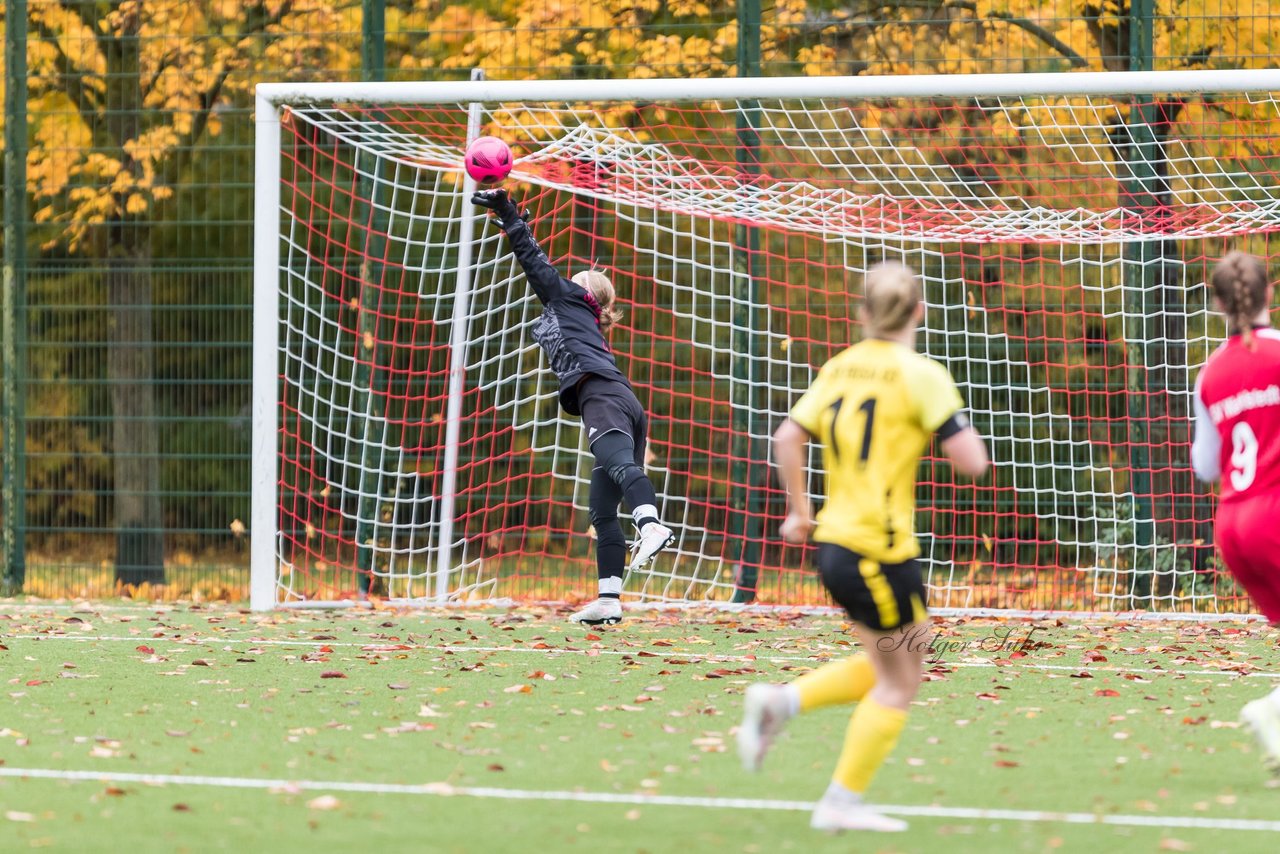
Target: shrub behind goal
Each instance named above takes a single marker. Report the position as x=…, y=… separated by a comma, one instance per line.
x=407, y=439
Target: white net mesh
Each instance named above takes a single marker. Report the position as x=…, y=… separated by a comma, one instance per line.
x=1063, y=242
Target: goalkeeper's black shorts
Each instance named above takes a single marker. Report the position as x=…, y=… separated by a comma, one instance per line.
x=608, y=404
x=880, y=596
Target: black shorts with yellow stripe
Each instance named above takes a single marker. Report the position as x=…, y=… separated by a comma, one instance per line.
x=879, y=596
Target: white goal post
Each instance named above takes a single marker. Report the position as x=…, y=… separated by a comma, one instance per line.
x=406, y=441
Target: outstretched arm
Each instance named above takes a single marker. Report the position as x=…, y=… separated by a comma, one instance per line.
x=542, y=276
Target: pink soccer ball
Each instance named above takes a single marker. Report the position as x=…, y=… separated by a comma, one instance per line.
x=488, y=160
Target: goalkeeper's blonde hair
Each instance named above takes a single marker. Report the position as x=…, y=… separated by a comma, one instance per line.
x=599, y=286
x=892, y=295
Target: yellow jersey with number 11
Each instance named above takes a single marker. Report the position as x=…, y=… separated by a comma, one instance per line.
x=874, y=408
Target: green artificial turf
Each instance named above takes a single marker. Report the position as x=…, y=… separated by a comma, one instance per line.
x=1120, y=719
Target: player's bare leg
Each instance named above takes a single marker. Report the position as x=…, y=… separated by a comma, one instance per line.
x=872, y=734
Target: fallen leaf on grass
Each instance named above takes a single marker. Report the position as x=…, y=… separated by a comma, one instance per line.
x=181, y=808
x=324, y=802
x=1169, y=843
x=517, y=689
x=1005, y=763
x=146, y=649
x=1106, y=692
x=15, y=815
x=406, y=726
x=333, y=674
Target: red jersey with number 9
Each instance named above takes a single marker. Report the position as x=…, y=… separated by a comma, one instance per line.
x=1237, y=411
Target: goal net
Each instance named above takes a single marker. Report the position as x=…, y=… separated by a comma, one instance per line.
x=409, y=444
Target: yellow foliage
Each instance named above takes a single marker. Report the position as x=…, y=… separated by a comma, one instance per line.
x=688, y=8
x=786, y=12
x=191, y=58
x=818, y=60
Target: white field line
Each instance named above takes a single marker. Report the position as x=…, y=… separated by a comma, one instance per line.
x=447, y=790
x=425, y=607
x=709, y=658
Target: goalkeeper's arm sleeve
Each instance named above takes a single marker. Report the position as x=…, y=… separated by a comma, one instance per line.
x=543, y=278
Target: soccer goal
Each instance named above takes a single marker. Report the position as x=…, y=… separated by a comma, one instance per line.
x=408, y=443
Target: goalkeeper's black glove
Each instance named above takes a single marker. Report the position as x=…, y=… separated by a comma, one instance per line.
x=501, y=204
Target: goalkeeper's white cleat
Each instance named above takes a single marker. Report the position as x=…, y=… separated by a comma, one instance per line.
x=1263, y=719
x=654, y=537
x=835, y=816
x=605, y=611
x=765, y=709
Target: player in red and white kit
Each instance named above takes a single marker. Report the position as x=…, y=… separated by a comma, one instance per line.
x=1237, y=442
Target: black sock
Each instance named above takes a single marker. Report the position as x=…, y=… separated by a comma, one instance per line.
x=638, y=492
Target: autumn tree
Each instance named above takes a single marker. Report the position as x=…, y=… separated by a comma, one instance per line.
x=122, y=91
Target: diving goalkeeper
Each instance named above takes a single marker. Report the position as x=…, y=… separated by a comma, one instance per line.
x=576, y=315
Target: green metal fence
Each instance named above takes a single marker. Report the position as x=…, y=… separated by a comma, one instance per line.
x=128, y=182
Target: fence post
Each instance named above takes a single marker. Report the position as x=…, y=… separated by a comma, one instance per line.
x=1141, y=154
x=373, y=63
x=14, y=331
x=749, y=455
x=373, y=42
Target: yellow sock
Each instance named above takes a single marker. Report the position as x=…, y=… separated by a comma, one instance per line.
x=836, y=682
x=873, y=732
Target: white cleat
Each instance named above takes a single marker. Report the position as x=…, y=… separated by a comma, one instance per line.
x=1263, y=719
x=832, y=816
x=765, y=710
x=605, y=611
x=654, y=537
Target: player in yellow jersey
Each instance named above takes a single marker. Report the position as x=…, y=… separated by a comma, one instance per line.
x=874, y=408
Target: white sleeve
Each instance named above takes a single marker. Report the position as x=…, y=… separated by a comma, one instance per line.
x=1206, y=447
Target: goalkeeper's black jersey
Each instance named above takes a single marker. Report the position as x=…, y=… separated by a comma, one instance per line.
x=569, y=329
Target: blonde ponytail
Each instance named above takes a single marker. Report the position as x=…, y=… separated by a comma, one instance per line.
x=601, y=289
